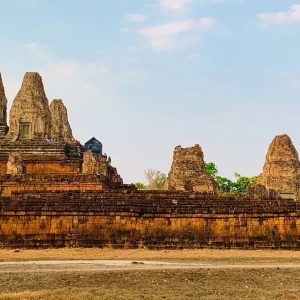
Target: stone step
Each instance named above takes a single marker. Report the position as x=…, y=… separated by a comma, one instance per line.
x=3, y=130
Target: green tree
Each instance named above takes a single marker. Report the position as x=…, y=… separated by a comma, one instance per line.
x=140, y=186
x=242, y=183
x=239, y=186
x=211, y=169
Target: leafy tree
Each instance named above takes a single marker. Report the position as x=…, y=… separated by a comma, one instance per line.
x=243, y=183
x=211, y=169
x=156, y=179
x=239, y=186
x=140, y=186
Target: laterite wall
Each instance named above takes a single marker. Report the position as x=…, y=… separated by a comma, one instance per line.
x=147, y=219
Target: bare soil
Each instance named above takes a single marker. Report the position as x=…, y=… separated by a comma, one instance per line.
x=143, y=274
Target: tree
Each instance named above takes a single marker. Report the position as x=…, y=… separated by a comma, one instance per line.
x=239, y=186
x=244, y=183
x=156, y=179
x=211, y=169
x=140, y=186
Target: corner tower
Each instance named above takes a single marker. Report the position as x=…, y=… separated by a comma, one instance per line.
x=281, y=168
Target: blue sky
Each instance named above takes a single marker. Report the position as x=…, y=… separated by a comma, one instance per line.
x=145, y=76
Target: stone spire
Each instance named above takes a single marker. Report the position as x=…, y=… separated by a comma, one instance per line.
x=30, y=114
x=3, y=107
x=188, y=171
x=60, y=127
x=281, y=168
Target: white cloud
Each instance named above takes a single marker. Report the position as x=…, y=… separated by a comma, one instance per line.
x=173, y=35
x=175, y=5
x=281, y=17
x=65, y=74
x=73, y=73
x=135, y=17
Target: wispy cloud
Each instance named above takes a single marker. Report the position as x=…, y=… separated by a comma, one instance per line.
x=175, y=5
x=174, y=35
x=69, y=73
x=280, y=18
x=136, y=17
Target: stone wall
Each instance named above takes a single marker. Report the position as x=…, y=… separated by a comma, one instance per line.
x=32, y=183
x=157, y=220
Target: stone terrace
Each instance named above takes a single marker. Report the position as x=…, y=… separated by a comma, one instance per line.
x=142, y=202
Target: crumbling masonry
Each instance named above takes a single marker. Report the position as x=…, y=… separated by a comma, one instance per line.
x=55, y=192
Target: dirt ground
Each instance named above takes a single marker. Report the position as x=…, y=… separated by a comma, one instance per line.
x=144, y=274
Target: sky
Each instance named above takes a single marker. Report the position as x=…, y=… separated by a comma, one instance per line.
x=145, y=76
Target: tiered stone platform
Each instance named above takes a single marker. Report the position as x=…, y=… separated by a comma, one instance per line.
x=41, y=157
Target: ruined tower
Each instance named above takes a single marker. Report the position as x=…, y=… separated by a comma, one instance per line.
x=3, y=108
x=281, y=168
x=188, y=171
x=60, y=127
x=30, y=115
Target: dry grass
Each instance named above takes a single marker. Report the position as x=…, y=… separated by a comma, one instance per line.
x=236, y=283
x=149, y=284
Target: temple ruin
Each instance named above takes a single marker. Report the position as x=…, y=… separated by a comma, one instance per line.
x=60, y=129
x=188, y=171
x=40, y=137
x=56, y=192
x=281, y=171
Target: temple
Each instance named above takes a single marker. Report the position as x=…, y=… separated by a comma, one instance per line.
x=39, y=148
x=56, y=192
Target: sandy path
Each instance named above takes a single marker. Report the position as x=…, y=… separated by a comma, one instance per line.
x=126, y=265
x=143, y=254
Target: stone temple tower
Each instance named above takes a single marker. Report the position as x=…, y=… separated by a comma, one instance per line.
x=3, y=108
x=281, y=171
x=60, y=128
x=30, y=117
x=188, y=171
